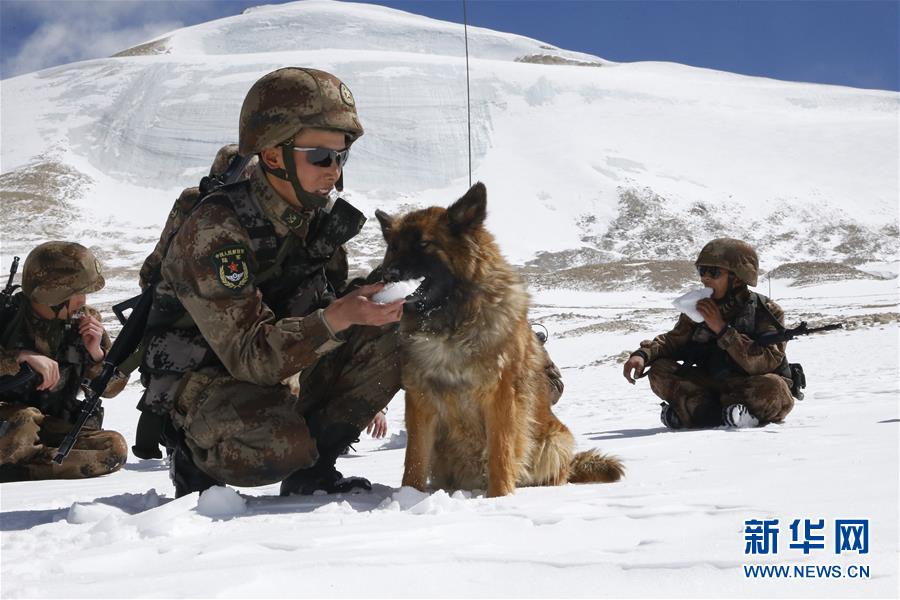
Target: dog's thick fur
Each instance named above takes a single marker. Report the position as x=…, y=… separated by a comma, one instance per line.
x=477, y=398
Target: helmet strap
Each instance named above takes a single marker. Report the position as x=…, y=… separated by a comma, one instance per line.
x=307, y=200
x=279, y=173
x=58, y=308
x=734, y=290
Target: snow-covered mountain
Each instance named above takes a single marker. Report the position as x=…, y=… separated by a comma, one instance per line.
x=585, y=160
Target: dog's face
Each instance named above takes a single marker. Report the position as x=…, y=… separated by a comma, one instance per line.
x=438, y=244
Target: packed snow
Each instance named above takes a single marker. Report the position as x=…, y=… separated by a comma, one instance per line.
x=673, y=527
x=687, y=303
x=397, y=290
x=624, y=168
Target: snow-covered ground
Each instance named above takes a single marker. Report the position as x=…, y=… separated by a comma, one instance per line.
x=584, y=165
x=674, y=527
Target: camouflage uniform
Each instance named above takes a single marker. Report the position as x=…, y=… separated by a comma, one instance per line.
x=239, y=309
x=185, y=203
x=220, y=369
x=36, y=421
x=727, y=369
x=152, y=426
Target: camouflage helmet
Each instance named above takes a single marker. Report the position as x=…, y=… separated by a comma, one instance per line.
x=737, y=256
x=283, y=102
x=56, y=271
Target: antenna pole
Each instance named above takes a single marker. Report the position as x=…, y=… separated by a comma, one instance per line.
x=468, y=94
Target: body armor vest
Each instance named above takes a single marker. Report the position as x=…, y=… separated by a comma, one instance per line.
x=289, y=272
x=703, y=350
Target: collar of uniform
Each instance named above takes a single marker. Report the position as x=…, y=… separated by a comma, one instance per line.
x=285, y=218
x=734, y=303
x=46, y=335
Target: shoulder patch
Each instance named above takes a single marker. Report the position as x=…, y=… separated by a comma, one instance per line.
x=231, y=267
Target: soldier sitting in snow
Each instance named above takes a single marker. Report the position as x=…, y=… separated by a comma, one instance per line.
x=50, y=329
x=725, y=379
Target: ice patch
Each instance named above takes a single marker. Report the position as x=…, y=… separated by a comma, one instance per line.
x=397, y=290
x=221, y=502
x=688, y=303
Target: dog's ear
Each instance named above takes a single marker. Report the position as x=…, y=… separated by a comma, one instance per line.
x=469, y=212
x=387, y=222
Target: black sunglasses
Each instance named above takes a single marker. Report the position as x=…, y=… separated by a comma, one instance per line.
x=323, y=157
x=713, y=272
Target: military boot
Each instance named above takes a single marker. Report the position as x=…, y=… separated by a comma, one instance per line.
x=10, y=473
x=147, y=436
x=323, y=475
x=669, y=417
x=737, y=415
x=185, y=475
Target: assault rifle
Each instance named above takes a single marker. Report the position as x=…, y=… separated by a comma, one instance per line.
x=25, y=376
x=126, y=343
x=8, y=291
x=785, y=334
x=133, y=327
x=7, y=309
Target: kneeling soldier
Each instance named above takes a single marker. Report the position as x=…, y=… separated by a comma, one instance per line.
x=49, y=328
x=250, y=289
x=725, y=378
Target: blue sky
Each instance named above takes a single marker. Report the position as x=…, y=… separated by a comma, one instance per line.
x=847, y=42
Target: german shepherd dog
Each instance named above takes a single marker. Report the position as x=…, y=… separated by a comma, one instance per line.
x=477, y=397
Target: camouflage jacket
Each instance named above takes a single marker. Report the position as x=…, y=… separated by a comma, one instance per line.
x=244, y=294
x=185, y=203
x=731, y=354
x=60, y=341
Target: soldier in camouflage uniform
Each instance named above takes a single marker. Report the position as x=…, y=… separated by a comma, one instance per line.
x=152, y=424
x=50, y=329
x=250, y=291
x=725, y=379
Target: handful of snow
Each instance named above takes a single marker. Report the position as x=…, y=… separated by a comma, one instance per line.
x=688, y=303
x=397, y=290
x=221, y=502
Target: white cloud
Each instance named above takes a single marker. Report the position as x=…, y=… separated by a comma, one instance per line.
x=79, y=30
x=59, y=42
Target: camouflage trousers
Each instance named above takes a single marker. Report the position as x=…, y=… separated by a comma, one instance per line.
x=29, y=439
x=698, y=399
x=246, y=434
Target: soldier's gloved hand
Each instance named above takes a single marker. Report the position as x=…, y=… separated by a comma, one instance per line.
x=44, y=366
x=357, y=308
x=634, y=366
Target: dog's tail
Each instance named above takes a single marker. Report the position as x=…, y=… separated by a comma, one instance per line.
x=593, y=467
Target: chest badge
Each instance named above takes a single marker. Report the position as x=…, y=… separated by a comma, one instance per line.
x=231, y=267
x=292, y=219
